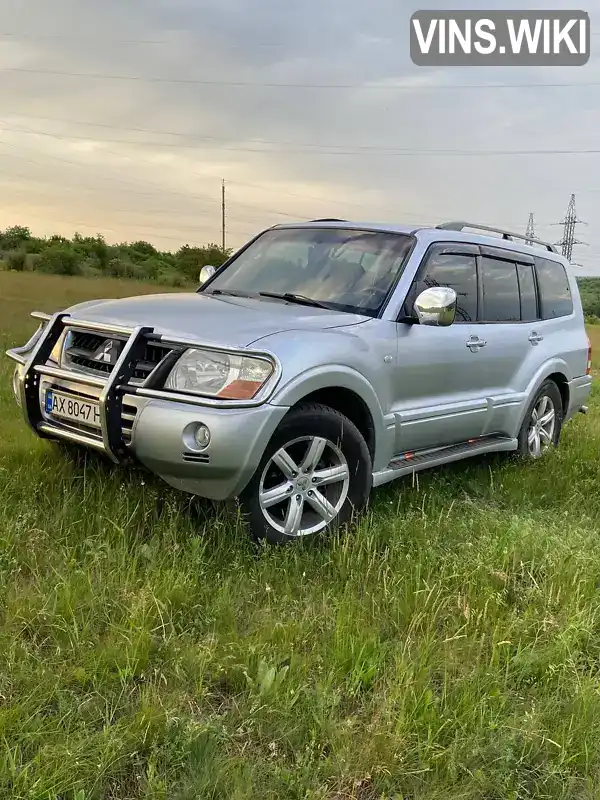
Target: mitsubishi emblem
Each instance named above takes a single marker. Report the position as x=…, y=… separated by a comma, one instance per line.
x=105, y=353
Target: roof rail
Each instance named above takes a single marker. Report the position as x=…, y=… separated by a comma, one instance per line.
x=509, y=235
x=329, y=219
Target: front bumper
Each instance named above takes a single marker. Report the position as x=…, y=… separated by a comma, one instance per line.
x=141, y=423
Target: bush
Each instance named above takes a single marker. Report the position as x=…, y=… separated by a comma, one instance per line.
x=170, y=278
x=190, y=260
x=118, y=268
x=15, y=238
x=59, y=259
x=153, y=267
x=91, y=268
x=16, y=260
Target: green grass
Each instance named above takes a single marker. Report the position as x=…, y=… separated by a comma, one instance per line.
x=448, y=648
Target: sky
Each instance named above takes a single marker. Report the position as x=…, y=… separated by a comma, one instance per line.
x=124, y=117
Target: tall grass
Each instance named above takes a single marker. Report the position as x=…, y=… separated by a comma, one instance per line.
x=447, y=648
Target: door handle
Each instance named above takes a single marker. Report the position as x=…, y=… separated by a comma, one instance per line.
x=535, y=338
x=474, y=343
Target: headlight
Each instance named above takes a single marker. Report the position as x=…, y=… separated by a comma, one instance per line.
x=229, y=377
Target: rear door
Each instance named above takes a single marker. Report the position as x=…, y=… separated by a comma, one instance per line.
x=511, y=326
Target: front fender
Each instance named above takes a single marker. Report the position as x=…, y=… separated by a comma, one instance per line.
x=332, y=376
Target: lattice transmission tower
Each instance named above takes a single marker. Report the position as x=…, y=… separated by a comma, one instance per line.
x=530, y=232
x=569, y=224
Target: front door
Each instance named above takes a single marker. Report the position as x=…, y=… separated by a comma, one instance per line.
x=443, y=377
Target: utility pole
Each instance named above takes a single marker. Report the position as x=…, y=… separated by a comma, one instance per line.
x=223, y=216
x=530, y=232
x=568, y=240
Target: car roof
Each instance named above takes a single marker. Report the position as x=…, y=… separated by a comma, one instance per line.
x=450, y=231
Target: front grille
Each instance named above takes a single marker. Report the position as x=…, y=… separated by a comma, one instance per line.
x=97, y=353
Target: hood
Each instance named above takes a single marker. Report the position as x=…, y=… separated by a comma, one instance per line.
x=219, y=320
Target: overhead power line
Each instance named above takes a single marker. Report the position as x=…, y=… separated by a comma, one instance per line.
x=277, y=85
x=348, y=149
x=402, y=152
x=78, y=37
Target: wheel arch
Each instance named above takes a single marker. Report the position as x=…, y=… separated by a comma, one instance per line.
x=348, y=403
x=347, y=392
x=555, y=371
x=560, y=379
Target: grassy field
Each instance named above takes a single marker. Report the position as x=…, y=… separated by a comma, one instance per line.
x=448, y=648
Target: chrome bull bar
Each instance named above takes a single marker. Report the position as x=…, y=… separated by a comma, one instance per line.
x=33, y=358
x=110, y=400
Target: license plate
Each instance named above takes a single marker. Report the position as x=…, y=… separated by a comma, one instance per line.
x=72, y=408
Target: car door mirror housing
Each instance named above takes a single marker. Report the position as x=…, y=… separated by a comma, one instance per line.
x=205, y=273
x=436, y=306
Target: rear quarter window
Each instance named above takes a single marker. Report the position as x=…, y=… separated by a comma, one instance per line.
x=556, y=299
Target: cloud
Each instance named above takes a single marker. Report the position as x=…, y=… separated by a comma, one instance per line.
x=284, y=152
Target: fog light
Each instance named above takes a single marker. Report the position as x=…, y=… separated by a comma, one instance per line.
x=202, y=436
x=16, y=387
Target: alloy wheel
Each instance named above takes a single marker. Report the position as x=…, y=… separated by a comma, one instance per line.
x=304, y=486
x=540, y=435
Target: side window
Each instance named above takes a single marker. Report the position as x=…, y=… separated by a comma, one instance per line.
x=555, y=292
x=501, y=301
x=529, y=311
x=458, y=272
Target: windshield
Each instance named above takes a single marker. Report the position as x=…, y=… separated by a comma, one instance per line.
x=345, y=269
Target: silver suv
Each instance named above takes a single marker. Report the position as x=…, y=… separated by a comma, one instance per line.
x=321, y=360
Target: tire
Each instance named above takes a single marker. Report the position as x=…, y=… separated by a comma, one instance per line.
x=304, y=500
x=536, y=445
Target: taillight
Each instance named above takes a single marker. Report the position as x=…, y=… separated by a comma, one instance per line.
x=589, y=359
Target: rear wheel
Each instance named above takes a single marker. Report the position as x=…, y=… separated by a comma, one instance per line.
x=315, y=472
x=542, y=425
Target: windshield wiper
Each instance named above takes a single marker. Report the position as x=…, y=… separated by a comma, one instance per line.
x=230, y=292
x=296, y=298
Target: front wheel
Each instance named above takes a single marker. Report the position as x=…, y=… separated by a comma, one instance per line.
x=315, y=472
x=542, y=425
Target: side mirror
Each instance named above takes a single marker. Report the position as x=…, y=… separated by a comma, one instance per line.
x=436, y=306
x=206, y=272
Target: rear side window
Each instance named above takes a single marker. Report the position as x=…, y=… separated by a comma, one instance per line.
x=458, y=272
x=555, y=293
x=501, y=300
x=529, y=311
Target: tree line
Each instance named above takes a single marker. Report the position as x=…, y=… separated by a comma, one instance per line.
x=589, y=288
x=92, y=256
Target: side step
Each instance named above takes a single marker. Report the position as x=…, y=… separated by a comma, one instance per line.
x=407, y=463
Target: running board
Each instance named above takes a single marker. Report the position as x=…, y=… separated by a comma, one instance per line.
x=407, y=463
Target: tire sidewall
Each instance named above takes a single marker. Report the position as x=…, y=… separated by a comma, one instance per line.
x=550, y=389
x=312, y=421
